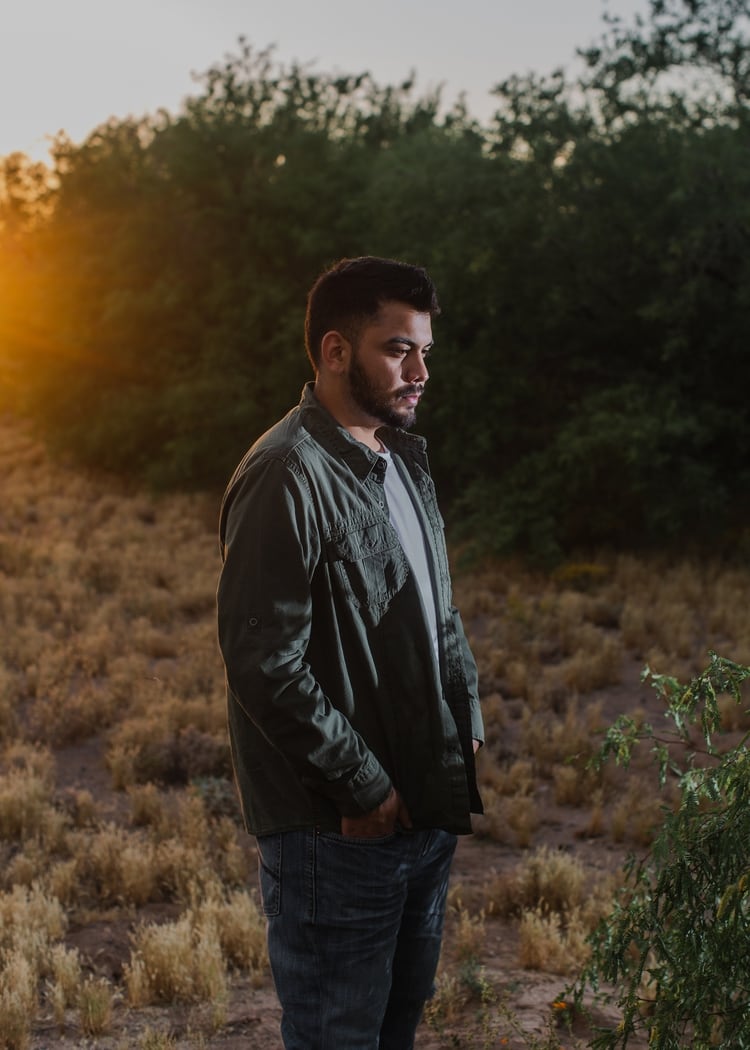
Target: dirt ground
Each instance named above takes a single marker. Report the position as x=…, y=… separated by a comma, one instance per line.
x=40, y=511
x=252, y=1013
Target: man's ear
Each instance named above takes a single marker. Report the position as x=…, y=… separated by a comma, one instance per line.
x=335, y=352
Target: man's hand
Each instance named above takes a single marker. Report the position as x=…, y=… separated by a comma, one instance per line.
x=380, y=821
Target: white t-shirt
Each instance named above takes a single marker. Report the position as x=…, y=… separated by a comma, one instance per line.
x=406, y=523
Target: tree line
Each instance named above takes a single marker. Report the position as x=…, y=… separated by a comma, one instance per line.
x=590, y=243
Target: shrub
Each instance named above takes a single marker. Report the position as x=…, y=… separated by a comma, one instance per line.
x=17, y=1001
x=180, y=961
x=65, y=984
x=547, y=942
x=95, y=1005
x=674, y=945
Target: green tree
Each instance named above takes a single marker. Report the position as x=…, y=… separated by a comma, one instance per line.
x=178, y=255
x=625, y=362
x=590, y=245
x=689, y=58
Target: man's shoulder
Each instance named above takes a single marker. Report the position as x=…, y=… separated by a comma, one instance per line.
x=283, y=438
x=282, y=443
x=276, y=458
x=300, y=430
x=302, y=441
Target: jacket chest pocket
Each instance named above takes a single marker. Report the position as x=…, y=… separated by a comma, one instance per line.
x=371, y=567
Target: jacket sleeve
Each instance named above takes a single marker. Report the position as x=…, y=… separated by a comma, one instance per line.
x=472, y=678
x=270, y=549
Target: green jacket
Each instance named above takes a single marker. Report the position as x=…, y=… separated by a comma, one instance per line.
x=333, y=689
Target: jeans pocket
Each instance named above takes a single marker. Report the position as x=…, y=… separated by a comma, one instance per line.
x=269, y=872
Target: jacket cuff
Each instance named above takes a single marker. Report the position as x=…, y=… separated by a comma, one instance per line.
x=477, y=725
x=366, y=790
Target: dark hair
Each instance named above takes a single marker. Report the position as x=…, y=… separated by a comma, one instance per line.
x=351, y=293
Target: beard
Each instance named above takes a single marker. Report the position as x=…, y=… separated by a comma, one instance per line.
x=377, y=403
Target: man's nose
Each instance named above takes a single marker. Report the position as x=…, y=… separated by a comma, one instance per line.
x=416, y=369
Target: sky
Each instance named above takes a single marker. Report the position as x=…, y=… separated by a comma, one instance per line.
x=71, y=64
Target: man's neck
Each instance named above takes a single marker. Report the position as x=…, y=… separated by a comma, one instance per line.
x=366, y=436
x=346, y=416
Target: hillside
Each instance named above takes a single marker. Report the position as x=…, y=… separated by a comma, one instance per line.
x=128, y=906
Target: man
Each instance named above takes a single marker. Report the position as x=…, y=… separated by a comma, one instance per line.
x=353, y=707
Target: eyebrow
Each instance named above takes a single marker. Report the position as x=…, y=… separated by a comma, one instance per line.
x=409, y=342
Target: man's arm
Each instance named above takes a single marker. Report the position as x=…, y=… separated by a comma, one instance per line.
x=380, y=821
x=271, y=548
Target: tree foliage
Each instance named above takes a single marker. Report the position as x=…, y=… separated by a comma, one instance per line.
x=674, y=946
x=589, y=243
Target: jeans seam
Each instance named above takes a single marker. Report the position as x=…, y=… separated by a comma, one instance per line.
x=312, y=860
x=429, y=836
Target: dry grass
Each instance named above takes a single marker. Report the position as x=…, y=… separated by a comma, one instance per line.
x=64, y=986
x=580, y=624
x=18, y=1000
x=178, y=962
x=107, y=618
x=552, y=943
x=30, y=925
x=553, y=881
x=95, y=1004
x=637, y=815
x=153, y=1040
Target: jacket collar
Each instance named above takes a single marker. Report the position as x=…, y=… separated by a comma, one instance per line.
x=319, y=422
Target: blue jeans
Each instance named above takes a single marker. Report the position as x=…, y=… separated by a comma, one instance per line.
x=354, y=932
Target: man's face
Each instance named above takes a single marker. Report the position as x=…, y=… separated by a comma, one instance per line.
x=387, y=371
